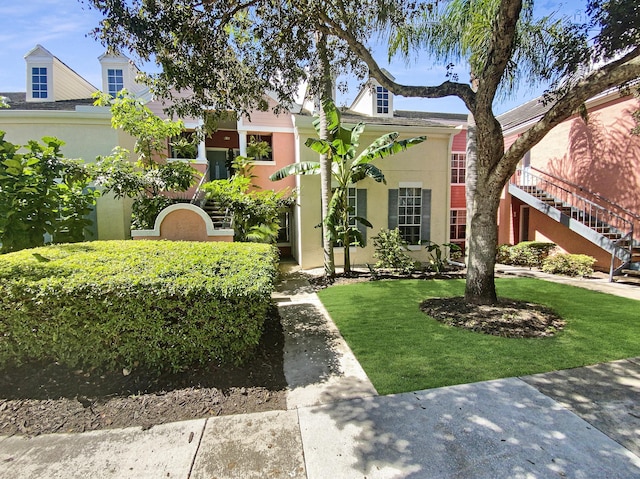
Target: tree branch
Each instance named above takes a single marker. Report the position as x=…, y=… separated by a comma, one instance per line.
x=462, y=91
x=500, y=52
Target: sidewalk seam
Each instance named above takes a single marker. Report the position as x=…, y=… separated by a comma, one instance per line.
x=195, y=454
x=304, y=459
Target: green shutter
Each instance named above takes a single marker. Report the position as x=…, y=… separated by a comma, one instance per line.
x=361, y=210
x=425, y=229
x=393, y=209
x=91, y=231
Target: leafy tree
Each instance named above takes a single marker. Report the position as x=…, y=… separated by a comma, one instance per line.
x=42, y=192
x=347, y=169
x=151, y=175
x=230, y=53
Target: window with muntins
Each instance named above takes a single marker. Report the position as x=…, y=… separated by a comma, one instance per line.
x=457, y=226
x=458, y=167
x=382, y=100
x=115, y=81
x=39, y=82
x=410, y=214
x=353, y=206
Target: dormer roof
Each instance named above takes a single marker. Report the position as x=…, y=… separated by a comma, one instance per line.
x=49, y=79
x=374, y=100
x=119, y=72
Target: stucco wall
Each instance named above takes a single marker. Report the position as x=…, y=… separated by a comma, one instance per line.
x=283, y=154
x=600, y=155
x=426, y=163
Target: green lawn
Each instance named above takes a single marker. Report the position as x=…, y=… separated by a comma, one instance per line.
x=402, y=349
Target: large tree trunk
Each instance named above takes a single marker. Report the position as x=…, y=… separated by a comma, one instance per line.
x=483, y=199
x=480, y=286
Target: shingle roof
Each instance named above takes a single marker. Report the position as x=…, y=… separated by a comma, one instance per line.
x=404, y=118
x=17, y=101
x=529, y=111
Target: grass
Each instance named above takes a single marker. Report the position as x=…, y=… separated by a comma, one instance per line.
x=402, y=349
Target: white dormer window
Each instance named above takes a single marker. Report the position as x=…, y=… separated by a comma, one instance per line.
x=115, y=81
x=39, y=88
x=382, y=100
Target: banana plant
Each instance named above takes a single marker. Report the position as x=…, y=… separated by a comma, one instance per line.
x=347, y=169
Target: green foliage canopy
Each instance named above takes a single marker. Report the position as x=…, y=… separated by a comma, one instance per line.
x=151, y=175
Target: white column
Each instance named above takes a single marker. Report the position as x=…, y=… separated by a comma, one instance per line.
x=202, y=151
x=242, y=136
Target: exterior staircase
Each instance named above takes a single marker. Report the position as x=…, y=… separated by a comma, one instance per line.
x=595, y=218
x=221, y=216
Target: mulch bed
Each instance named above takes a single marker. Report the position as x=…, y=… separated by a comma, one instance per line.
x=509, y=318
x=46, y=398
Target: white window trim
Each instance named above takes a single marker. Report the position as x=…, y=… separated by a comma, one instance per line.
x=465, y=164
x=50, y=95
x=410, y=184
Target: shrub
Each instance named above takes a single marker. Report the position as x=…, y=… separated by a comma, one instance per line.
x=119, y=304
x=503, y=254
x=530, y=253
x=42, y=192
x=569, y=264
x=390, y=250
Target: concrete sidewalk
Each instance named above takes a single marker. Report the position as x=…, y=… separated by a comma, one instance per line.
x=579, y=423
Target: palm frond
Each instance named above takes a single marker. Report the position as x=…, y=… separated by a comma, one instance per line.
x=303, y=168
x=363, y=221
x=388, y=149
x=321, y=147
x=362, y=171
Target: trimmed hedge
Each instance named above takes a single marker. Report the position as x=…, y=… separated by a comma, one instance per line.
x=569, y=264
x=120, y=304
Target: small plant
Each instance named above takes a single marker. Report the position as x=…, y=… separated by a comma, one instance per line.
x=42, y=192
x=184, y=148
x=258, y=149
x=438, y=257
x=390, y=251
x=256, y=214
x=569, y=264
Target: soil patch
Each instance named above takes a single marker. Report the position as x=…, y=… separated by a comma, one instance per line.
x=319, y=281
x=46, y=398
x=509, y=318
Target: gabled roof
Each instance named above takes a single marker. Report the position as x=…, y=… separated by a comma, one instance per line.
x=39, y=51
x=18, y=101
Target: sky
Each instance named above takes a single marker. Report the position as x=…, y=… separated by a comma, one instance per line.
x=63, y=26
